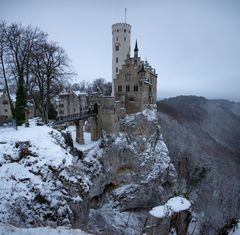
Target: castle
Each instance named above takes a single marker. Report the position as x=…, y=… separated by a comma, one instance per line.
x=134, y=87
x=134, y=81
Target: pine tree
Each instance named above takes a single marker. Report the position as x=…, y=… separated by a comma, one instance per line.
x=20, y=102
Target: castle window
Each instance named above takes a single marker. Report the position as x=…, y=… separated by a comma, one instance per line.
x=5, y=102
x=127, y=76
x=131, y=99
x=135, y=88
x=116, y=60
x=117, y=30
x=125, y=30
x=117, y=39
x=150, y=89
x=5, y=110
x=127, y=88
x=125, y=39
x=117, y=48
x=117, y=70
x=119, y=88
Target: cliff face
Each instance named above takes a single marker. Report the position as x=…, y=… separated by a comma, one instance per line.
x=203, y=137
x=136, y=175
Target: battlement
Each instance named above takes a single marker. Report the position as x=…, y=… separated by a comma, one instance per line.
x=118, y=27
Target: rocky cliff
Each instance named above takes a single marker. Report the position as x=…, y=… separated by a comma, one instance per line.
x=136, y=174
x=203, y=137
x=108, y=190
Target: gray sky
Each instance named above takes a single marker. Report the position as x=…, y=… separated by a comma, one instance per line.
x=194, y=45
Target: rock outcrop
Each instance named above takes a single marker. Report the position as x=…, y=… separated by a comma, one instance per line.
x=133, y=174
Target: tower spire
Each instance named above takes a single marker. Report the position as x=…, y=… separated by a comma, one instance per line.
x=135, y=54
x=136, y=47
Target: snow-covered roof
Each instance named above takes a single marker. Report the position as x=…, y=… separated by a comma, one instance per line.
x=78, y=93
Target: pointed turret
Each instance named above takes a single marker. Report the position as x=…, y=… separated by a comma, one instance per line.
x=135, y=53
x=136, y=47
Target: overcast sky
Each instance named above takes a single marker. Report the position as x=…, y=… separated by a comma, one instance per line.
x=193, y=44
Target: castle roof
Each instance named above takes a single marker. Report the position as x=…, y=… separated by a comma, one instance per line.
x=136, y=46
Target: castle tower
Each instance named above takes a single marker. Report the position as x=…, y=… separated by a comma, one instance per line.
x=121, y=39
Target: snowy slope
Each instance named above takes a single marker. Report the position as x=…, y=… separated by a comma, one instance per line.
x=30, y=160
x=11, y=230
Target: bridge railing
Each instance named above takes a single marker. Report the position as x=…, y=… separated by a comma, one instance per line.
x=76, y=116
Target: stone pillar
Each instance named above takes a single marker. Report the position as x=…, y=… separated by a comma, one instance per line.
x=79, y=132
x=95, y=129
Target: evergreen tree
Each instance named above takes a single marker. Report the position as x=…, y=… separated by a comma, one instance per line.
x=52, y=113
x=20, y=102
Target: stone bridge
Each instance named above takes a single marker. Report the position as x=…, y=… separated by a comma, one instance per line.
x=103, y=114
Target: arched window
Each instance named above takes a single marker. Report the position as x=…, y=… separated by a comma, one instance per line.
x=117, y=47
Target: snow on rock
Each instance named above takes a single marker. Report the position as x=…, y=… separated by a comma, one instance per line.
x=151, y=114
x=175, y=204
x=11, y=230
x=31, y=160
x=236, y=230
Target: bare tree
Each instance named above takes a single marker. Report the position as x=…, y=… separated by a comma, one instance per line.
x=50, y=69
x=29, y=61
x=100, y=85
x=3, y=58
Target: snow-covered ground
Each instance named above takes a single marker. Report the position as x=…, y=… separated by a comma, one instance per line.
x=28, y=159
x=175, y=204
x=33, y=163
x=11, y=230
x=87, y=137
